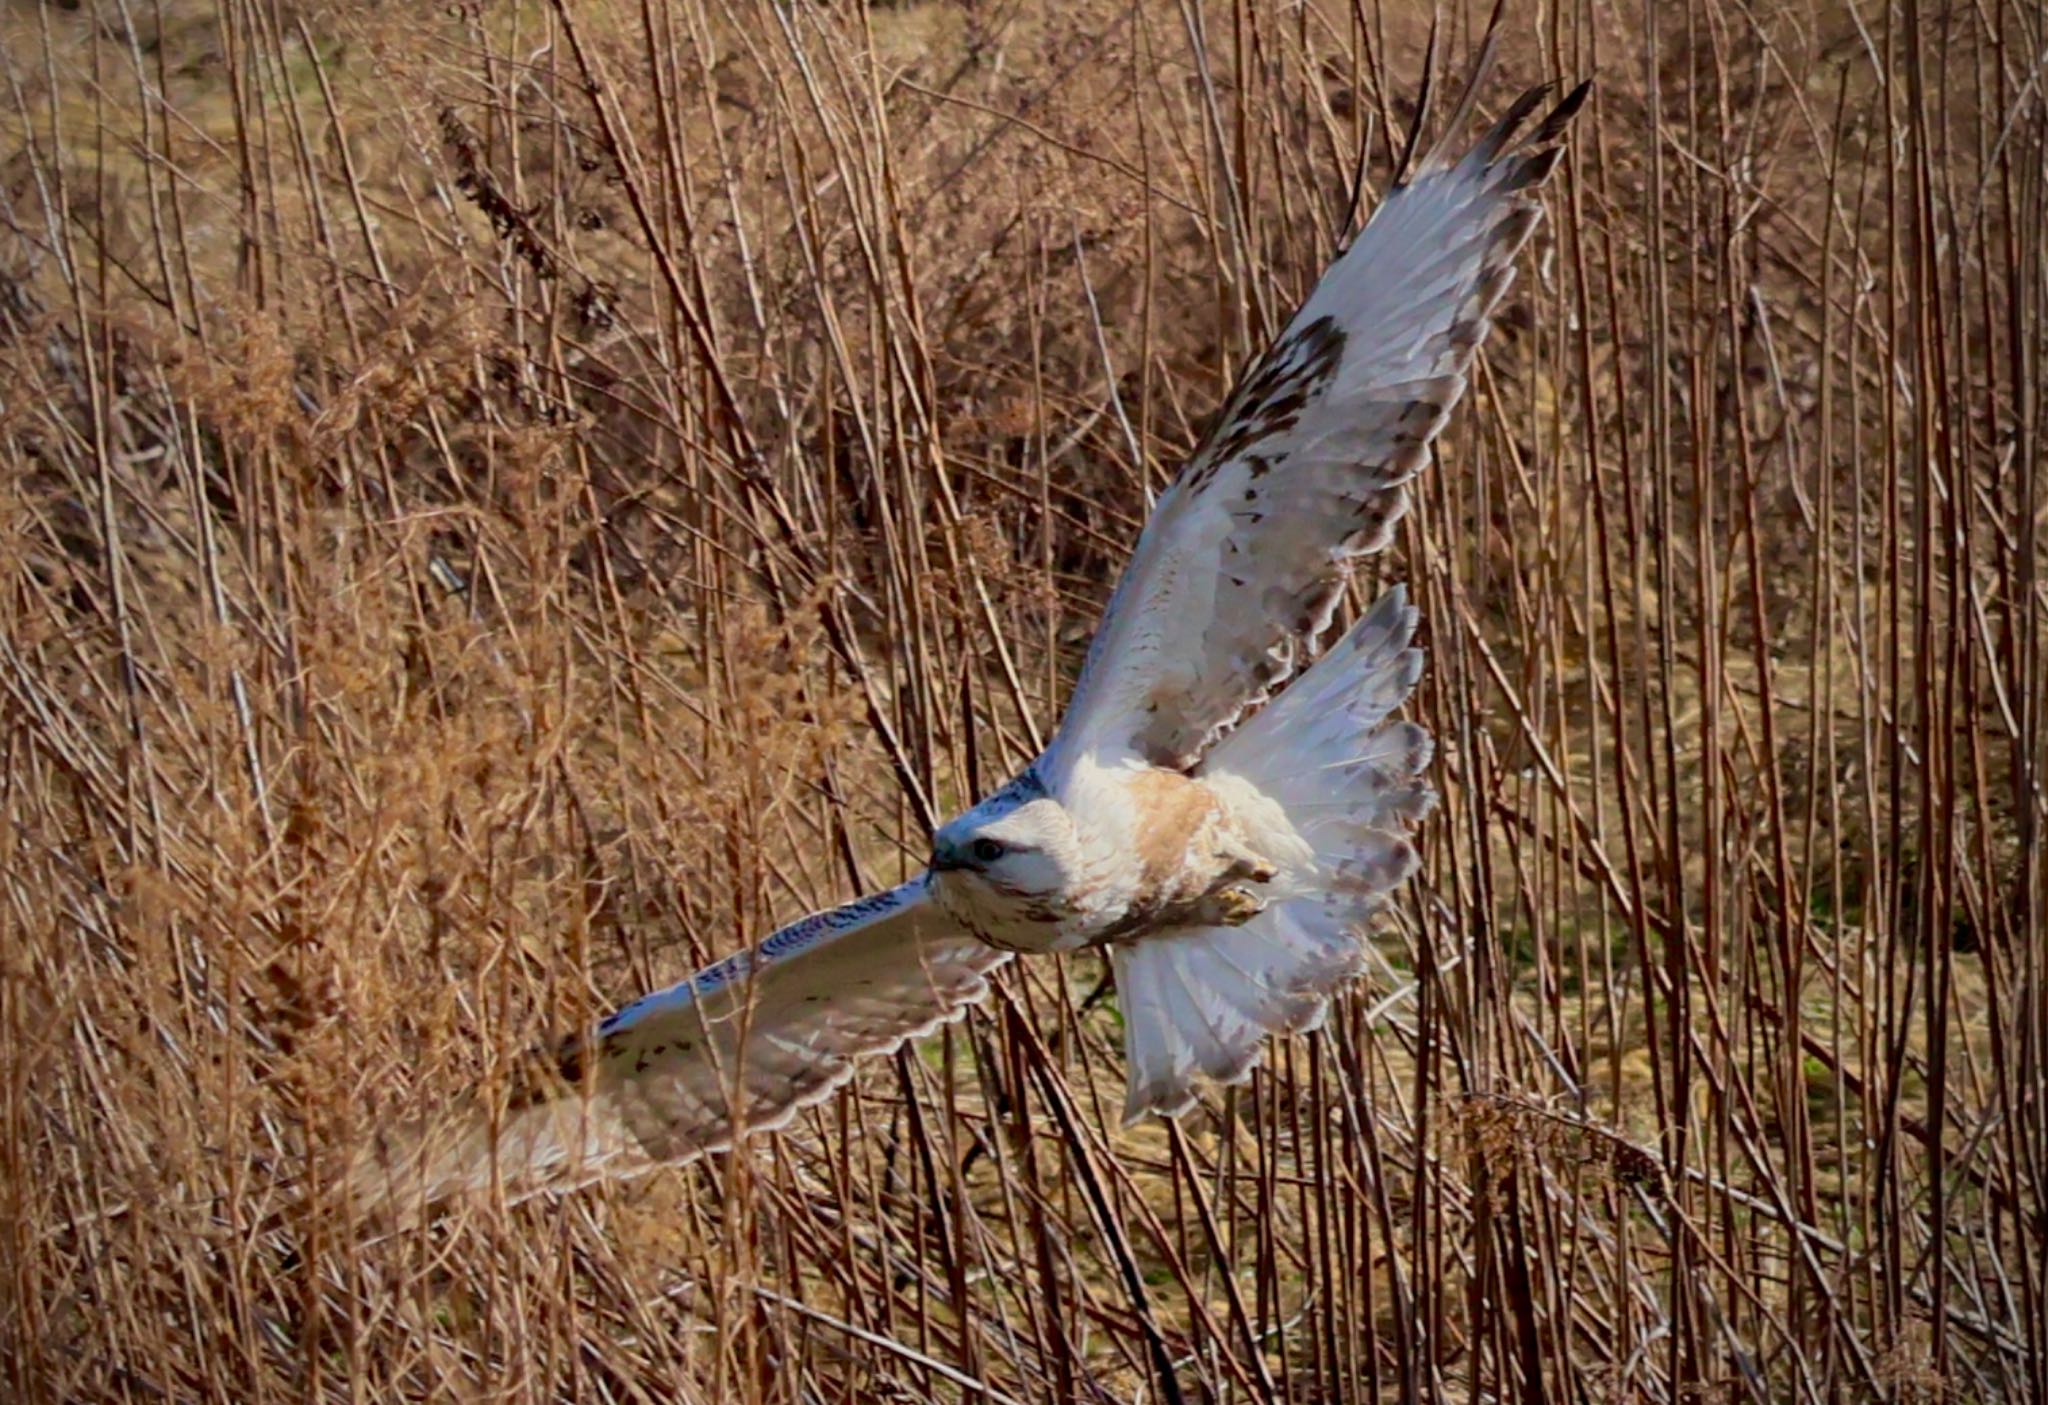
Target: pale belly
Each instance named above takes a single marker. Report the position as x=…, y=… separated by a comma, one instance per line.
x=1177, y=852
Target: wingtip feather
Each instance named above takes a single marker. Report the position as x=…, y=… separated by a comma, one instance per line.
x=1532, y=159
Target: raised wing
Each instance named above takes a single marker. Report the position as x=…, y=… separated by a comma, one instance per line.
x=741, y=1046
x=1241, y=565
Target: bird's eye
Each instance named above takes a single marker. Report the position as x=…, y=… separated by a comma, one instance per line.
x=987, y=850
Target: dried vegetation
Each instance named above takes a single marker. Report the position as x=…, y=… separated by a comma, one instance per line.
x=502, y=503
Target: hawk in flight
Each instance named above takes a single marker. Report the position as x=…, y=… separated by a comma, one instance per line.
x=1223, y=831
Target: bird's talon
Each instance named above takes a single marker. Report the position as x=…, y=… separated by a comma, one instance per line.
x=1236, y=906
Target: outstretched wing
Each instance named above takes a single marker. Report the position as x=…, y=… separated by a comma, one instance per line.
x=739, y=1047
x=1243, y=560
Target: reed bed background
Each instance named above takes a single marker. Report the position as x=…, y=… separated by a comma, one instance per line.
x=507, y=501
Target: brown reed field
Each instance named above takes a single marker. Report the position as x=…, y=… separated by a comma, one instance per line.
x=506, y=502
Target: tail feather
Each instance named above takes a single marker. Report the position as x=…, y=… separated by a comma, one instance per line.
x=1349, y=782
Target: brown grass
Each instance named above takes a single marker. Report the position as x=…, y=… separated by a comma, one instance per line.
x=505, y=502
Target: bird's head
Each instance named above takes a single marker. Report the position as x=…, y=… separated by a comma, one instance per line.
x=1008, y=866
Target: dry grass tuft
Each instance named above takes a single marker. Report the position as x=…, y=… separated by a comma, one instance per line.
x=504, y=503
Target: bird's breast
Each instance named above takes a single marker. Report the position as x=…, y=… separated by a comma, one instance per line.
x=1004, y=918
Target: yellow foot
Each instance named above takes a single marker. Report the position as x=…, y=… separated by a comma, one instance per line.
x=1236, y=905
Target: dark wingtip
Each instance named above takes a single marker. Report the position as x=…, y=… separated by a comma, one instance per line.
x=1496, y=140
x=1552, y=126
x=1498, y=137
x=1546, y=133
